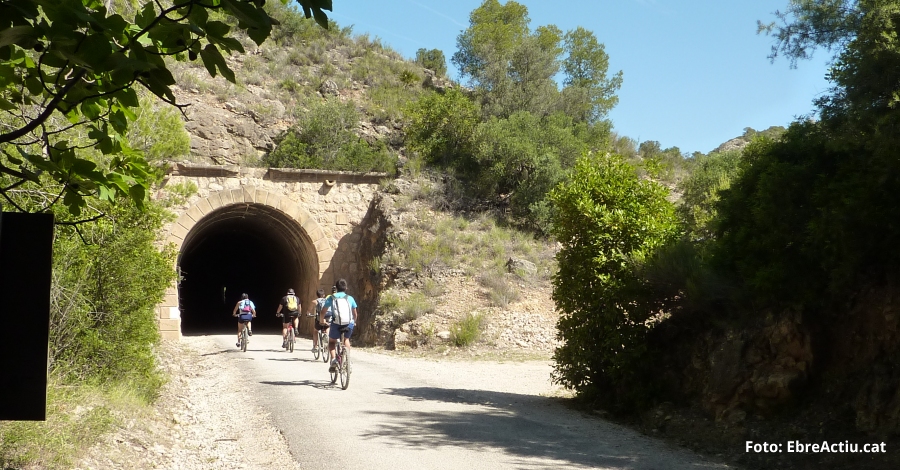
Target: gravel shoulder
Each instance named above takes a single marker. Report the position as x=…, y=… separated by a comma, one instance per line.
x=202, y=420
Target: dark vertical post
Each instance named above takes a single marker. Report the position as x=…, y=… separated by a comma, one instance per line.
x=26, y=254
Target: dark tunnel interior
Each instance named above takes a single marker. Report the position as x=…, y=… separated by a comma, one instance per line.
x=249, y=249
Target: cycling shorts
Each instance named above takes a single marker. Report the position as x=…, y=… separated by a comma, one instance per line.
x=335, y=331
x=289, y=317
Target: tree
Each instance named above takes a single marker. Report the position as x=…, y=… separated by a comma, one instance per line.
x=585, y=67
x=69, y=74
x=432, y=59
x=441, y=128
x=513, y=68
x=809, y=24
x=494, y=29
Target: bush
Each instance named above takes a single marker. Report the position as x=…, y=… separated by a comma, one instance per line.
x=105, y=298
x=389, y=301
x=500, y=290
x=467, y=330
x=324, y=138
x=609, y=222
x=415, y=306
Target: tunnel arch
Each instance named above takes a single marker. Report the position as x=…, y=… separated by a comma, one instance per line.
x=241, y=240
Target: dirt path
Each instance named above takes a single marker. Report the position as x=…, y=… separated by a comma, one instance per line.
x=398, y=413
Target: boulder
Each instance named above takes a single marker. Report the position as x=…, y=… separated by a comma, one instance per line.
x=514, y=265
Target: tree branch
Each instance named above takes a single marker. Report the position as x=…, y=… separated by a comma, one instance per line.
x=10, y=136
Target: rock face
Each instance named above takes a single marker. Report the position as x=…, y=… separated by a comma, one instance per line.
x=232, y=132
x=846, y=361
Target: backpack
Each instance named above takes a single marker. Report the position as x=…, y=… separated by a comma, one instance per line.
x=292, y=303
x=340, y=308
x=246, y=307
x=320, y=303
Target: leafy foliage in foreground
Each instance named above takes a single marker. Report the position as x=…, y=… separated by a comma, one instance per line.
x=67, y=64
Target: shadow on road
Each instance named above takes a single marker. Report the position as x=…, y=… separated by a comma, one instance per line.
x=296, y=359
x=325, y=385
x=524, y=425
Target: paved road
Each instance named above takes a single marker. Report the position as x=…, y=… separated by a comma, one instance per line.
x=406, y=413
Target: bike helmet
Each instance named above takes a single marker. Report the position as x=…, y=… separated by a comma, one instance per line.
x=290, y=291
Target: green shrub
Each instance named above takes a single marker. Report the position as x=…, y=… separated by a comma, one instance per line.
x=433, y=60
x=415, y=306
x=179, y=193
x=500, y=290
x=159, y=132
x=432, y=289
x=467, y=330
x=324, y=138
x=105, y=311
x=389, y=301
x=609, y=222
x=409, y=78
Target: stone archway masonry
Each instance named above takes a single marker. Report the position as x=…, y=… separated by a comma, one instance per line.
x=327, y=205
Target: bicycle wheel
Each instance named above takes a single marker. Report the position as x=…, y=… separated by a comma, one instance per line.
x=345, y=370
x=337, y=355
x=244, y=339
x=323, y=344
x=291, y=339
x=318, y=349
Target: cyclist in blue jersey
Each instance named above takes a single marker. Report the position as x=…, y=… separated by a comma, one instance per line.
x=343, y=314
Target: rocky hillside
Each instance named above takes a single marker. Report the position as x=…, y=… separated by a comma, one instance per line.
x=443, y=280
x=300, y=66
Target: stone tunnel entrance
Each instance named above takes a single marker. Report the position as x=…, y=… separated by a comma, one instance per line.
x=237, y=241
x=248, y=248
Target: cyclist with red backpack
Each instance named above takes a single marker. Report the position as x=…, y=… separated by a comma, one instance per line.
x=291, y=305
x=245, y=310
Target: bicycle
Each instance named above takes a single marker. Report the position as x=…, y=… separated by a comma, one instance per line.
x=342, y=356
x=245, y=338
x=289, y=342
x=322, y=346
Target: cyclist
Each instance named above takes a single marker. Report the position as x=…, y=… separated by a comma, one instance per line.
x=247, y=313
x=323, y=316
x=291, y=305
x=343, y=313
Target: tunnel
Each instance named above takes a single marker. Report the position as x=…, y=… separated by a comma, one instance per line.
x=243, y=248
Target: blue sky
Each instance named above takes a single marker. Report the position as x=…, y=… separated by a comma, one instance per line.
x=695, y=71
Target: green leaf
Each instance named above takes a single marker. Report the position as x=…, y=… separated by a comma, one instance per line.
x=91, y=110
x=128, y=97
x=146, y=16
x=34, y=86
x=83, y=167
x=15, y=34
x=106, y=194
x=321, y=17
x=119, y=121
x=73, y=201
x=213, y=60
x=95, y=50
x=138, y=194
x=199, y=16
x=217, y=29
